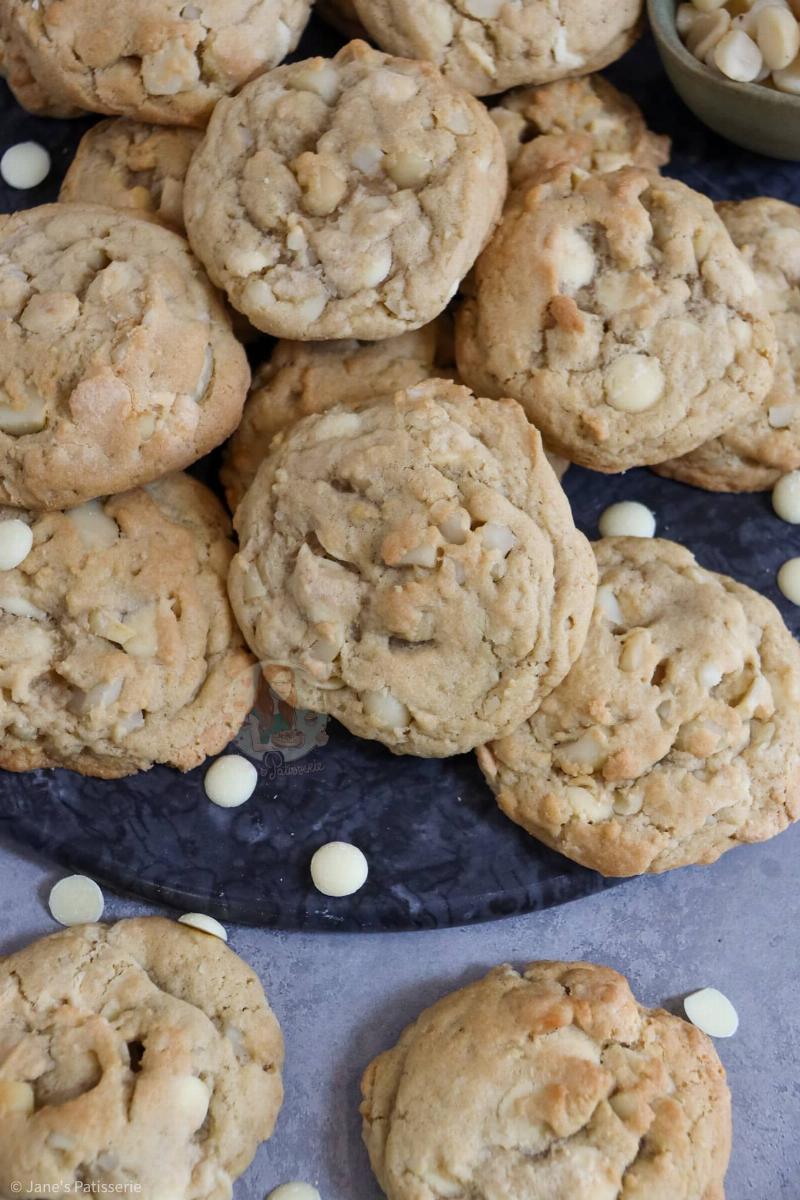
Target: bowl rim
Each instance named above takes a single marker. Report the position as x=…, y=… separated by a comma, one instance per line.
x=662, y=22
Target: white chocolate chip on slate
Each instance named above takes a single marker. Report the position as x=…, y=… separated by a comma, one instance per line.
x=789, y=580
x=634, y=383
x=296, y=1190
x=338, y=869
x=712, y=1012
x=230, y=781
x=786, y=498
x=205, y=924
x=627, y=518
x=76, y=900
x=25, y=165
x=16, y=541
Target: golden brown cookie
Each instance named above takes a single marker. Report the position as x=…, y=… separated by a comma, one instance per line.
x=412, y=568
x=139, y=1057
x=676, y=734
x=551, y=1082
x=163, y=61
x=345, y=197
x=140, y=168
x=488, y=46
x=584, y=122
x=753, y=454
x=118, y=647
x=117, y=360
x=620, y=314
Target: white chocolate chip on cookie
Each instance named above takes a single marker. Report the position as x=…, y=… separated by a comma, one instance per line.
x=205, y=924
x=634, y=383
x=16, y=540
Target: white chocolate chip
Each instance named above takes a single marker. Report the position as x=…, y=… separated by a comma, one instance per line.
x=738, y=57
x=367, y=158
x=25, y=165
x=419, y=556
x=788, y=80
x=786, y=498
x=97, y=530
x=789, y=580
x=29, y=418
x=778, y=37
x=16, y=1097
x=143, y=642
x=386, y=711
x=780, y=416
x=338, y=869
x=296, y=1190
x=205, y=924
x=18, y=606
x=230, y=781
x=575, y=260
x=634, y=383
x=712, y=1012
x=585, y=805
x=609, y=605
x=76, y=900
x=710, y=675
x=407, y=169
x=16, y=541
x=455, y=527
x=627, y=518
x=498, y=537
x=190, y=1097
x=635, y=648
x=169, y=70
x=320, y=78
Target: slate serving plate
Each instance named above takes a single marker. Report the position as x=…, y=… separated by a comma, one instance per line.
x=440, y=852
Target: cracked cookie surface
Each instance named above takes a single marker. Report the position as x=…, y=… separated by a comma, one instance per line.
x=488, y=46
x=551, y=1082
x=345, y=197
x=140, y=168
x=753, y=454
x=585, y=122
x=118, y=647
x=620, y=314
x=675, y=736
x=412, y=569
x=117, y=360
x=141, y=1056
x=165, y=61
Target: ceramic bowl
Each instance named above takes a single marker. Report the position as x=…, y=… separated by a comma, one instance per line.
x=749, y=114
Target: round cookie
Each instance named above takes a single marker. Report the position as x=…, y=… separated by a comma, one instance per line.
x=139, y=1057
x=675, y=736
x=118, y=648
x=140, y=168
x=412, y=569
x=753, y=454
x=551, y=1082
x=345, y=197
x=117, y=360
x=489, y=46
x=619, y=313
x=585, y=123
x=163, y=61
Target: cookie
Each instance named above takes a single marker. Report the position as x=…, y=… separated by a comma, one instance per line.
x=585, y=123
x=139, y=168
x=118, y=648
x=620, y=314
x=162, y=61
x=139, y=1057
x=488, y=46
x=345, y=197
x=551, y=1082
x=117, y=360
x=753, y=454
x=675, y=736
x=412, y=569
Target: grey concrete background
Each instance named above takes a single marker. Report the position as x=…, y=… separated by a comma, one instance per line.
x=342, y=998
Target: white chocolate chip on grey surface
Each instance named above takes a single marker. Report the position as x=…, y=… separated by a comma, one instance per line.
x=339, y=869
x=295, y=1190
x=205, y=924
x=627, y=518
x=16, y=540
x=786, y=498
x=25, y=165
x=711, y=1010
x=230, y=781
x=789, y=580
x=76, y=900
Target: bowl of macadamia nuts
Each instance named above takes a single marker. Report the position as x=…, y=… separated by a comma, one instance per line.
x=736, y=64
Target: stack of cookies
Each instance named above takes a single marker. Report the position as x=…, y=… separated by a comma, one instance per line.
x=468, y=295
